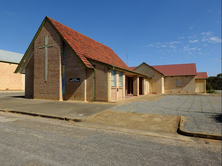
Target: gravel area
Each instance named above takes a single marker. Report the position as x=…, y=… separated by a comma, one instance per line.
x=203, y=112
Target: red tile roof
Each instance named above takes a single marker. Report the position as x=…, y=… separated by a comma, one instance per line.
x=87, y=48
x=202, y=75
x=132, y=68
x=177, y=69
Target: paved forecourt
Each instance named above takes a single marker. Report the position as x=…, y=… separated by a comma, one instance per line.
x=202, y=112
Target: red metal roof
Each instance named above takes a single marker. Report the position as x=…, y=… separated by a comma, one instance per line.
x=177, y=69
x=202, y=75
x=87, y=48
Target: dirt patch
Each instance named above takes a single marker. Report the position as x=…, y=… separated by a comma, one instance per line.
x=137, y=121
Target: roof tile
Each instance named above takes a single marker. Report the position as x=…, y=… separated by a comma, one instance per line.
x=87, y=48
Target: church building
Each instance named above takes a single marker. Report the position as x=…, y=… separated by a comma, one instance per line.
x=62, y=64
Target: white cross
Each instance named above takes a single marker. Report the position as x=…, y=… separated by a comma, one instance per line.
x=46, y=55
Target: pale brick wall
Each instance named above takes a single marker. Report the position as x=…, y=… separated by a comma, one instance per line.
x=136, y=85
x=90, y=85
x=203, y=81
x=156, y=77
x=52, y=88
x=188, y=85
x=9, y=80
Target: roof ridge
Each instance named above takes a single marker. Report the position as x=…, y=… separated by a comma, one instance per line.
x=86, y=47
x=176, y=64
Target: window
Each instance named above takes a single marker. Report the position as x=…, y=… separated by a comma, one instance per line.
x=113, y=78
x=120, y=79
x=178, y=83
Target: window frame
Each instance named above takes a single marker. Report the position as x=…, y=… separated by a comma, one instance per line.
x=113, y=78
x=120, y=79
x=178, y=83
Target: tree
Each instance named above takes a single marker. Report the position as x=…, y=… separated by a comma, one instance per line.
x=214, y=82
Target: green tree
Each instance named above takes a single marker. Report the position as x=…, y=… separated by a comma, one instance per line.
x=214, y=82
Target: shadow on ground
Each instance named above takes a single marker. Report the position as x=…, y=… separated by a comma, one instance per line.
x=18, y=96
x=217, y=117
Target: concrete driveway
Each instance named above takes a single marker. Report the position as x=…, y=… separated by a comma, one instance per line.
x=75, y=110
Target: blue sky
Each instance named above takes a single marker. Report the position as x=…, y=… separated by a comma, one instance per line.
x=157, y=32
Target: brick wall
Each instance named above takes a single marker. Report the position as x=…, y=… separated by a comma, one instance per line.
x=101, y=76
x=90, y=85
x=187, y=82
x=29, y=79
x=51, y=89
x=74, y=68
x=156, y=77
x=9, y=80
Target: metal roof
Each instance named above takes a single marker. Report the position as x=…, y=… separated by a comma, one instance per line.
x=11, y=57
x=202, y=75
x=177, y=69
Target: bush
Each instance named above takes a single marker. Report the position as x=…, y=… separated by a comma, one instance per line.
x=211, y=91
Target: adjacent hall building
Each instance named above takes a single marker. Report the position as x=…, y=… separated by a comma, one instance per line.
x=62, y=64
x=174, y=79
x=9, y=81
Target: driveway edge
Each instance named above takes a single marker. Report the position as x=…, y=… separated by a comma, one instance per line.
x=42, y=115
x=194, y=134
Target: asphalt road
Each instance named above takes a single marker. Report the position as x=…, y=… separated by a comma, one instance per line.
x=27, y=141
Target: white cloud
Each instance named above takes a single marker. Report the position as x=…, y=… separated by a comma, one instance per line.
x=181, y=37
x=190, y=28
x=193, y=41
x=215, y=40
x=204, y=39
x=163, y=45
x=188, y=49
x=174, y=42
x=207, y=33
x=150, y=45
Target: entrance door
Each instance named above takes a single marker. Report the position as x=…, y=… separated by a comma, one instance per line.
x=153, y=87
x=130, y=85
x=140, y=85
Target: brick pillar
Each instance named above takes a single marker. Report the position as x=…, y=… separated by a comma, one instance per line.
x=136, y=85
